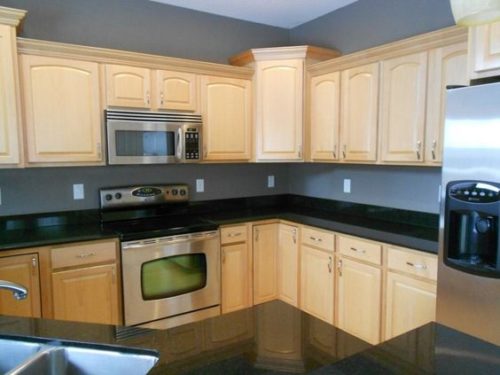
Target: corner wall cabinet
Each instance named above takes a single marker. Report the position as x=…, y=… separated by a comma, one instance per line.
x=484, y=50
x=10, y=149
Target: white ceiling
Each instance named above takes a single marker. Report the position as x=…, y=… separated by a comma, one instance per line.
x=281, y=13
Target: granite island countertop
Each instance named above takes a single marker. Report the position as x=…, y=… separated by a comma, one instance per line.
x=276, y=338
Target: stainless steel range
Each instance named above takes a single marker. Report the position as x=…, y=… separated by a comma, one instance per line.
x=170, y=262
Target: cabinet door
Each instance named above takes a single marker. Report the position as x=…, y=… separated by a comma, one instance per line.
x=288, y=264
x=279, y=109
x=359, y=299
x=226, y=108
x=87, y=294
x=236, y=277
x=229, y=329
x=128, y=86
x=447, y=66
x=402, y=106
x=325, y=116
x=175, y=91
x=410, y=303
x=62, y=109
x=265, y=245
x=9, y=121
x=359, y=113
x=23, y=270
x=484, y=51
x=316, y=282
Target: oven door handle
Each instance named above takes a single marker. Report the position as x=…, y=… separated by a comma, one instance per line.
x=179, y=145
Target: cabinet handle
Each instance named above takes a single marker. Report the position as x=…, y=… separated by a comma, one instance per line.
x=234, y=234
x=85, y=255
x=223, y=256
x=417, y=266
x=330, y=264
x=419, y=146
x=99, y=150
x=334, y=152
x=294, y=236
x=161, y=98
x=316, y=239
x=148, y=98
x=300, y=151
x=33, y=266
x=344, y=150
x=256, y=234
x=339, y=267
x=433, y=151
x=33, y=262
x=358, y=251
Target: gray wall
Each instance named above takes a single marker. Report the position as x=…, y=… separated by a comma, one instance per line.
x=411, y=188
x=367, y=23
x=51, y=189
x=144, y=26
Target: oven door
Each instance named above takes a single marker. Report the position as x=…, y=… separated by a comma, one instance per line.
x=170, y=276
x=141, y=142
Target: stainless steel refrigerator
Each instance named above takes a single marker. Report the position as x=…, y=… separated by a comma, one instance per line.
x=468, y=293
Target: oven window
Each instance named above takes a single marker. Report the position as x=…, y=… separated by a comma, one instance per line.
x=144, y=143
x=173, y=276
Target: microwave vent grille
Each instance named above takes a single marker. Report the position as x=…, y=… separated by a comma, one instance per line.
x=153, y=117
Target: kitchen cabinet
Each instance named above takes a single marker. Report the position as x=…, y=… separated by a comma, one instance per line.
x=402, y=108
x=359, y=288
x=138, y=87
x=226, y=107
x=236, y=270
x=447, y=67
x=10, y=149
x=85, y=282
x=21, y=269
x=325, y=117
x=316, y=273
x=288, y=264
x=410, y=291
x=359, y=113
x=62, y=110
x=265, y=245
x=484, y=50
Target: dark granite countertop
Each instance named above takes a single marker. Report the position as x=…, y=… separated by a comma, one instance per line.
x=276, y=338
x=399, y=227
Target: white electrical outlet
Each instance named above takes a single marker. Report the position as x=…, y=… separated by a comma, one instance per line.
x=347, y=185
x=270, y=181
x=78, y=191
x=200, y=185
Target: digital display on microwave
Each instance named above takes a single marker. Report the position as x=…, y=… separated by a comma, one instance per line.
x=144, y=143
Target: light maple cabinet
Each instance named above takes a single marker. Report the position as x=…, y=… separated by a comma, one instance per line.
x=288, y=264
x=236, y=270
x=226, y=107
x=402, y=108
x=265, y=249
x=85, y=282
x=138, y=87
x=316, y=273
x=447, y=67
x=410, y=290
x=24, y=270
x=10, y=149
x=484, y=50
x=62, y=110
x=359, y=288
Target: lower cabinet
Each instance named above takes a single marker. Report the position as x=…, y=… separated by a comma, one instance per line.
x=288, y=264
x=22, y=270
x=265, y=249
x=85, y=284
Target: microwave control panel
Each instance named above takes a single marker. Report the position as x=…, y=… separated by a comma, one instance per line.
x=192, y=144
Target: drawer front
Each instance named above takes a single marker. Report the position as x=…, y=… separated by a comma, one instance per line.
x=317, y=238
x=233, y=234
x=83, y=254
x=360, y=249
x=412, y=262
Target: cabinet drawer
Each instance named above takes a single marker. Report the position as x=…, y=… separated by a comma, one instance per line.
x=233, y=234
x=321, y=239
x=82, y=254
x=360, y=249
x=412, y=262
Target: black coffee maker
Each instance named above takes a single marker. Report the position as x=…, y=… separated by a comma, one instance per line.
x=471, y=242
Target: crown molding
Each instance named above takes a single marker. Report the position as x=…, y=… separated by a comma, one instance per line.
x=11, y=16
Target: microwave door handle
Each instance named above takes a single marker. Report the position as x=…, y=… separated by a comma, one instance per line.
x=179, y=145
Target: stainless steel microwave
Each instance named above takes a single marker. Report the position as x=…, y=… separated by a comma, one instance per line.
x=152, y=138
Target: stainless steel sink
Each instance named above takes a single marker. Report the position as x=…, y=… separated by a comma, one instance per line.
x=25, y=358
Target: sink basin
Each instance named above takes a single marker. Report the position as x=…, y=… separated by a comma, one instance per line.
x=19, y=357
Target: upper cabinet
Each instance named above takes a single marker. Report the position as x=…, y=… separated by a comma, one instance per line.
x=484, y=50
x=142, y=88
x=9, y=93
x=279, y=98
x=226, y=108
x=62, y=110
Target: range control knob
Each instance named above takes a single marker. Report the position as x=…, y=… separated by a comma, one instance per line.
x=182, y=192
x=483, y=225
x=174, y=192
x=118, y=195
x=108, y=197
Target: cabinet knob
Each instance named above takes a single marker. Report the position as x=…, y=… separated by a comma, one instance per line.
x=433, y=151
x=339, y=267
x=419, y=147
x=344, y=150
x=334, y=152
x=330, y=264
